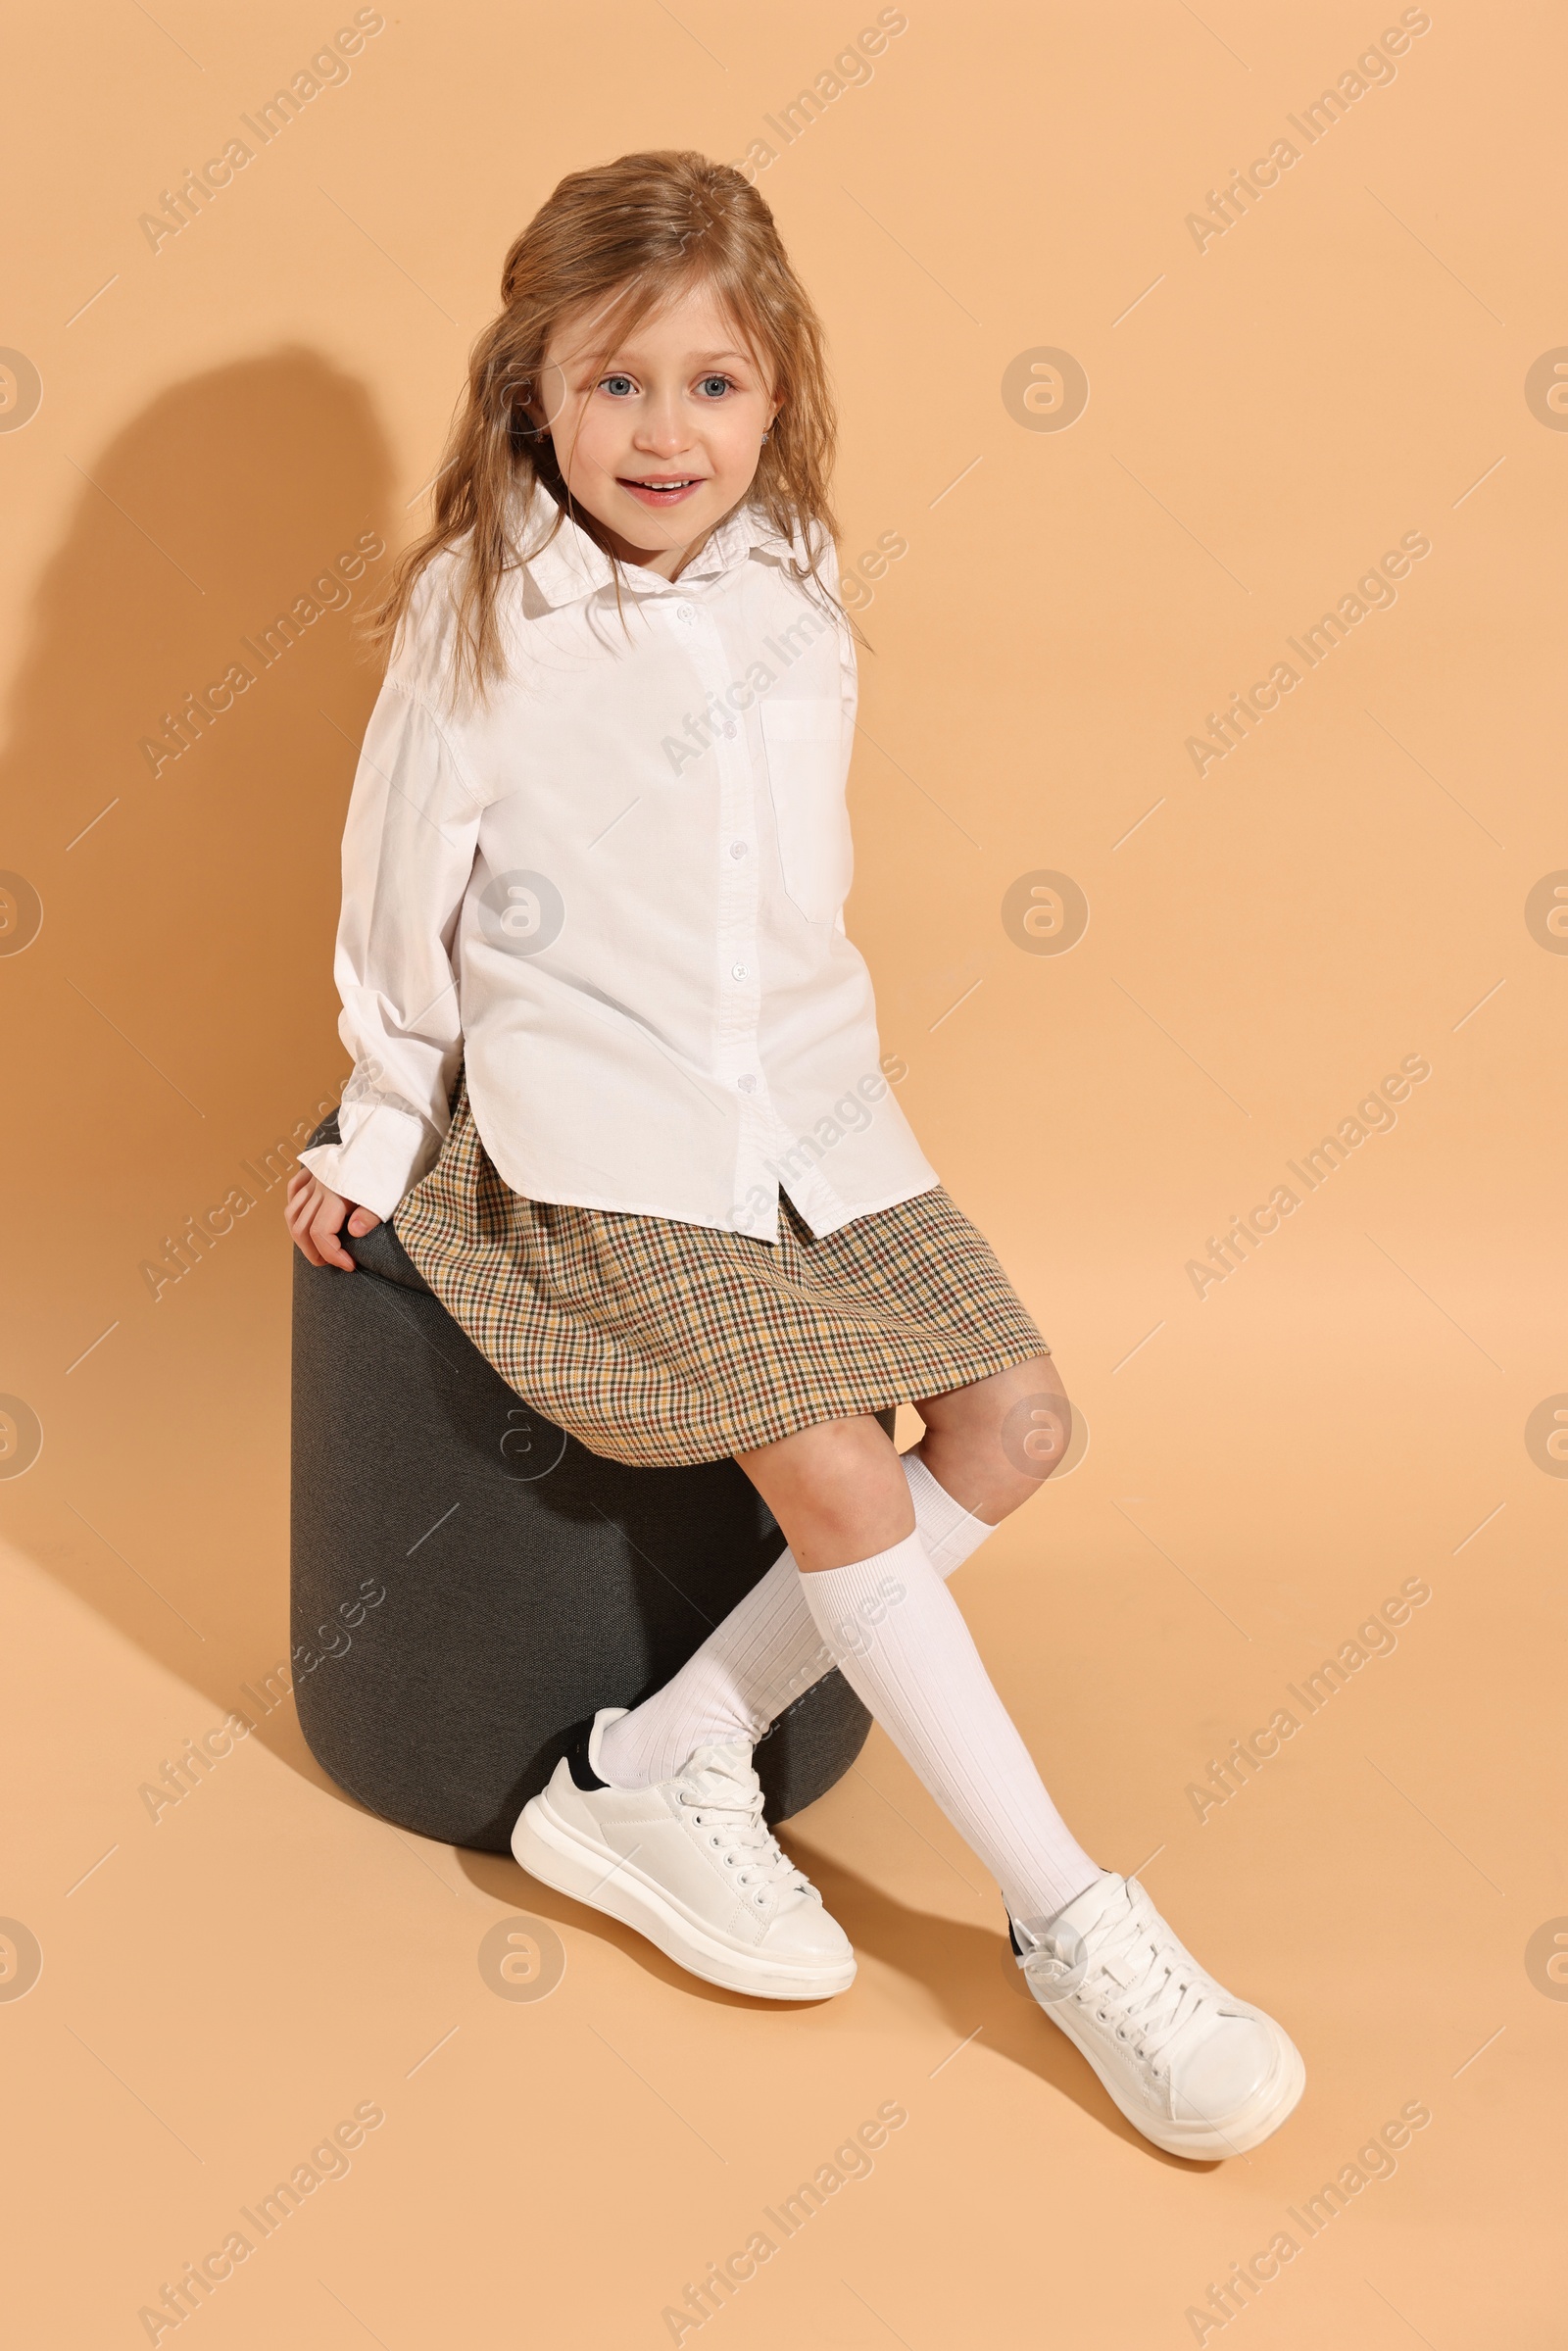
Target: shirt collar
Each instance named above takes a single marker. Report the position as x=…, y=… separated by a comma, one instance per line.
x=573, y=567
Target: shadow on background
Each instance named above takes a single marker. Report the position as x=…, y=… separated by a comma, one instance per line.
x=967, y=1972
x=174, y=1019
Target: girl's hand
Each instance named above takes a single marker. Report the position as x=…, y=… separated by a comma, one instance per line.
x=315, y=1216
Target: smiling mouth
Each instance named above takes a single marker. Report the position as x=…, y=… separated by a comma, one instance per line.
x=662, y=487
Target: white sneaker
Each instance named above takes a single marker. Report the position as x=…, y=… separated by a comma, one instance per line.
x=691, y=1864
x=1197, y=2072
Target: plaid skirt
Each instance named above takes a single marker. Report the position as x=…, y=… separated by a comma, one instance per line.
x=662, y=1344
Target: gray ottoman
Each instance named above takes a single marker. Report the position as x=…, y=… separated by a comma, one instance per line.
x=468, y=1583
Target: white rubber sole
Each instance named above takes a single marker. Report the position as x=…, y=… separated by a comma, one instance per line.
x=1206, y=2141
x=552, y=1850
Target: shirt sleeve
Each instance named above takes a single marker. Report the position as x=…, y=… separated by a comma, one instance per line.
x=408, y=846
x=849, y=678
x=849, y=670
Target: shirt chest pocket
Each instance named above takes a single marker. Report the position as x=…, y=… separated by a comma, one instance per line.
x=805, y=746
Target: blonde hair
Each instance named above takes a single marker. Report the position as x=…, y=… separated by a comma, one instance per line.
x=621, y=240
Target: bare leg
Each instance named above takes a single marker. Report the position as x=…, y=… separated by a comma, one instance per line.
x=837, y=1491
x=994, y=1444
x=839, y=1494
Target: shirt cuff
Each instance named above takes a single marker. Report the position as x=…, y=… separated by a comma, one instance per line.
x=383, y=1157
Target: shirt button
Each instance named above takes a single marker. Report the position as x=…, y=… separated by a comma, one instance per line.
x=684, y=611
x=737, y=971
x=747, y=1085
x=737, y=848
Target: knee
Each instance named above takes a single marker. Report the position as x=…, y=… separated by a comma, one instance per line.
x=838, y=1491
x=1035, y=1431
x=1002, y=1436
x=832, y=1494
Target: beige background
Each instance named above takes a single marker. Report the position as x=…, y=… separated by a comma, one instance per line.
x=1346, y=1410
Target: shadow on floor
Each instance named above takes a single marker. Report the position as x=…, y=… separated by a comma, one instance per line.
x=967, y=1972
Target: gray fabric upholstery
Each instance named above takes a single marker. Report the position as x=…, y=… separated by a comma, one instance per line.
x=526, y=1581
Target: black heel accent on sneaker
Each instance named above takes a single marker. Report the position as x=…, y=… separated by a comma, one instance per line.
x=1012, y=1938
x=582, y=1771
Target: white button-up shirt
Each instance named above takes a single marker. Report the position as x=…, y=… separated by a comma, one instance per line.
x=615, y=888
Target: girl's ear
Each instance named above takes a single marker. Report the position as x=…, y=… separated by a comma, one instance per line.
x=519, y=401
x=533, y=399
x=524, y=417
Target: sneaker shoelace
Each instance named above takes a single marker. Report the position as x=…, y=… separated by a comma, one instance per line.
x=1139, y=1978
x=728, y=1803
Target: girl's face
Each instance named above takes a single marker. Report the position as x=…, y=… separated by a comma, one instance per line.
x=659, y=439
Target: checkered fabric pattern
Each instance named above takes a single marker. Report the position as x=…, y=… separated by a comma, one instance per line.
x=662, y=1344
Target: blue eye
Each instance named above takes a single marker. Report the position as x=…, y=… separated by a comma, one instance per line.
x=709, y=381
x=616, y=384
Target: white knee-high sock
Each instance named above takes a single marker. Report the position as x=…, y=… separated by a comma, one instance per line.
x=765, y=1654
x=951, y=1534
x=900, y=1639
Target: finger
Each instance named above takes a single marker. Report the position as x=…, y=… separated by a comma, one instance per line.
x=299, y=1221
x=324, y=1234
x=297, y=1214
x=363, y=1220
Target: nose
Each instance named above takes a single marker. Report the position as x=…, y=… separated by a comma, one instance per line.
x=662, y=429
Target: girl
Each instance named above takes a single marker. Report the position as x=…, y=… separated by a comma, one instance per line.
x=617, y=1070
